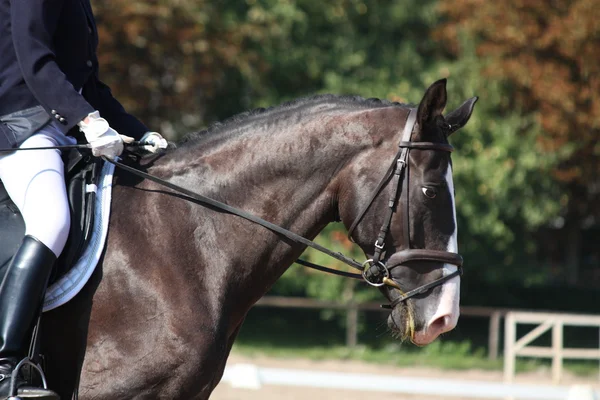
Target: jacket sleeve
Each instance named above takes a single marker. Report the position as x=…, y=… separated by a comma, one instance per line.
x=101, y=98
x=33, y=25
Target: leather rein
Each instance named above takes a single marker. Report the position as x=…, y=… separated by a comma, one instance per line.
x=373, y=271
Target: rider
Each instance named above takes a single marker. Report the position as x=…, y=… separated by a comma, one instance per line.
x=49, y=93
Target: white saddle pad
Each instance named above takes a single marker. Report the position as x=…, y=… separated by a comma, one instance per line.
x=69, y=285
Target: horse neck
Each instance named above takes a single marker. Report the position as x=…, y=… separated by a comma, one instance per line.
x=282, y=173
x=289, y=174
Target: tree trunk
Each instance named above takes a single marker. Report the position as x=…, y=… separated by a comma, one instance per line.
x=572, y=252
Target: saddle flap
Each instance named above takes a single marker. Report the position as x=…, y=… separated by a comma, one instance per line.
x=12, y=229
x=81, y=175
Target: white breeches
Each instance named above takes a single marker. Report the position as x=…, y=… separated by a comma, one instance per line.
x=35, y=182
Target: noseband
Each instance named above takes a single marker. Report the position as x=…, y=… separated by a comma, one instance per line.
x=375, y=272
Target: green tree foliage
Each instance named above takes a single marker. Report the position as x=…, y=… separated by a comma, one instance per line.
x=178, y=64
x=546, y=53
x=504, y=191
x=183, y=63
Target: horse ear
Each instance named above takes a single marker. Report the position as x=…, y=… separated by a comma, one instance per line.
x=433, y=102
x=459, y=117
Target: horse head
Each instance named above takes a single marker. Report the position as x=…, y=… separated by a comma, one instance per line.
x=405, y=220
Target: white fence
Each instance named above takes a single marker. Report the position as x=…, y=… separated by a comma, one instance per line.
x=545, y=321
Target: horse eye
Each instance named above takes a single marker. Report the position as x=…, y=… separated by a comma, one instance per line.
x=429, y=192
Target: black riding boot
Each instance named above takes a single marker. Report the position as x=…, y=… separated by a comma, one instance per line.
x=21, y=294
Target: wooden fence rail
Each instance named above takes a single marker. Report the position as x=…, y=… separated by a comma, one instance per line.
x=512, y=347
x=352, y=309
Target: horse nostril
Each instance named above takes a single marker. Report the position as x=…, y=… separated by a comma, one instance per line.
x=441, y=325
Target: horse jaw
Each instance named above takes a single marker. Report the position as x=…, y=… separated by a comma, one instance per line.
x=444, y=317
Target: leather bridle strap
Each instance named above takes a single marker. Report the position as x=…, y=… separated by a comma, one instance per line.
x=402, y=169
x=422, y=289
x=409, y=255
x=400, y=155
x=401, y=177
x=388, y=174
x=427, y=146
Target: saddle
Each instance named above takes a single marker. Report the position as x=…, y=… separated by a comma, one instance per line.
x=81, y=176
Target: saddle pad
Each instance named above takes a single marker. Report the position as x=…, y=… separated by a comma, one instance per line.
x=70, y=284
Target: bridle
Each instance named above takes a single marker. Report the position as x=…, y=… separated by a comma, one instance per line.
x=375, y=272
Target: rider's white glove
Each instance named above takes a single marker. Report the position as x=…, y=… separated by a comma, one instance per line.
x=154, y=142
x=104, y=140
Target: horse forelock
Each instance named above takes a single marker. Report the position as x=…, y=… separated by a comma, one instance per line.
x=295, y=109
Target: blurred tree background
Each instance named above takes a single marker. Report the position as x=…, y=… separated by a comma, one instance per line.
x=527, y=170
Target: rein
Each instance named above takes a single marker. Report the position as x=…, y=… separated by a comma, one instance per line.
x=68, y=147
x=222, y=206
x=373, y=271
x=253, y=218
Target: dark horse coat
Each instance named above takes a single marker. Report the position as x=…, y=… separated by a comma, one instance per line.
x=164, y=307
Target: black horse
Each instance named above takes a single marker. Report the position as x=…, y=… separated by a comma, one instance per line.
x=159, y=317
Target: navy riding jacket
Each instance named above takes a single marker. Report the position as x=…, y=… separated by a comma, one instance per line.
x=47, y=56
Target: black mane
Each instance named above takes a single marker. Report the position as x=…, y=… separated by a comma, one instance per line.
x=304, y=103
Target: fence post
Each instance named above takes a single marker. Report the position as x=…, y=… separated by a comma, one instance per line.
x=510, y=336
x=352, y=325
x=494, y=333
x=557, y=356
